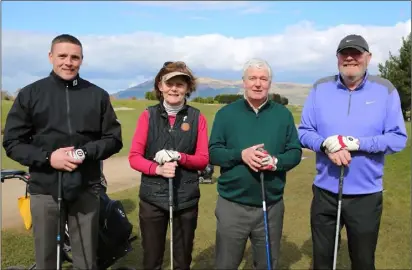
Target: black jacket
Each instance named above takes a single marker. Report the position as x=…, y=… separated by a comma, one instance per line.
x=155, y=189
x=52, y=113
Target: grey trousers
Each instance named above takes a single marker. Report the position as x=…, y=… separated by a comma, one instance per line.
x=83, y=223
x=237, y=223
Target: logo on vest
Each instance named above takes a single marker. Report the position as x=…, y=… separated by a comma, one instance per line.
x=185, y=126
x=75, y=82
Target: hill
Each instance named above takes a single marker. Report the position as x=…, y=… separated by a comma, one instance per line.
x=208, y=87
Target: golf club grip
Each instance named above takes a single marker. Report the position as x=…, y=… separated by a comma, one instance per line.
x=340, y=190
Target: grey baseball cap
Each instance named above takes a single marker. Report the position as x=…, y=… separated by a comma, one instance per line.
x=170, y=75
x=353, y=41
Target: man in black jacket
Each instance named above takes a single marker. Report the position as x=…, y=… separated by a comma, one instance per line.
x=63, y=126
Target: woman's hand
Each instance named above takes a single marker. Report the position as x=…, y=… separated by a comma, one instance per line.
x=167, y=170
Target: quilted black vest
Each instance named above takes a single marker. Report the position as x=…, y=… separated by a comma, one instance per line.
x=181, y=137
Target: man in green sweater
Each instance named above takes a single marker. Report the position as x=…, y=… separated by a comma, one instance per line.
x=238, y=130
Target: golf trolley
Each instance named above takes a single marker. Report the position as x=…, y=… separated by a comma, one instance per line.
x=205, y=176
x=107, y=255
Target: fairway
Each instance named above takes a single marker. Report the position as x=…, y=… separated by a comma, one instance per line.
x=394, y=245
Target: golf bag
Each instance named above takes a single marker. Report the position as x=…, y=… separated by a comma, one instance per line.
x=205, y=176
x=114, y=228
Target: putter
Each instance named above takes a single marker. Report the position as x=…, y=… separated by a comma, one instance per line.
x=335, y=255
x=171, y=220
x=59, y=215
x=265, y=217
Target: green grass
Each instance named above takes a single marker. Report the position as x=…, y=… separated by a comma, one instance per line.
x=393, y=251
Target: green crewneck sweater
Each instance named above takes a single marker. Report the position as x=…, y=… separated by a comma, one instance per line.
x=236, y=127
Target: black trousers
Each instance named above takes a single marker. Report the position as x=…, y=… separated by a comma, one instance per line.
x=153, y=226
x=361, y=216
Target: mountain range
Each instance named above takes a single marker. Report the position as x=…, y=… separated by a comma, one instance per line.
x=208, y=87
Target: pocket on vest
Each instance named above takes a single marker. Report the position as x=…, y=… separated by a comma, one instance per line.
x=153, y=188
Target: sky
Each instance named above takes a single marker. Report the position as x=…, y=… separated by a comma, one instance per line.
x=125, y=43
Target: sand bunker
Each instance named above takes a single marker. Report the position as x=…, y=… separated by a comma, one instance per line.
x=124, y=109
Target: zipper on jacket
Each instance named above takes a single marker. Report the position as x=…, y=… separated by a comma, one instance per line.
x=68, y=112
x=350, y=97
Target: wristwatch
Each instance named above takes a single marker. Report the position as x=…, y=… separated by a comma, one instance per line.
x=48, y=156
x=323, y=148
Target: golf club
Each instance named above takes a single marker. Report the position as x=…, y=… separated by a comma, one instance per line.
x=265, y=216
x=59, y=214
x=335, y=255
x=171, y=220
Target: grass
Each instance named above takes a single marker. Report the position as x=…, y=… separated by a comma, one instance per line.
x=393, y=251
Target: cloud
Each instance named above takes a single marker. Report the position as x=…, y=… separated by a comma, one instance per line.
x=117, y=61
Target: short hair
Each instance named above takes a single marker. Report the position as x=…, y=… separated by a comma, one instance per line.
x=66, y=38
x=169, y=67
x=257, y=63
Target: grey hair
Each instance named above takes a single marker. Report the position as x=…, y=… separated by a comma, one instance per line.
x=257, y=63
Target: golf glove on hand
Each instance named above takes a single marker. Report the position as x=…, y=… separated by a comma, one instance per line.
x=269, y=163
x=339, y=142
x=76, y=154
x=164, y=156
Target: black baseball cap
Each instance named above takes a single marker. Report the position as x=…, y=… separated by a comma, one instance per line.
x=353, y=41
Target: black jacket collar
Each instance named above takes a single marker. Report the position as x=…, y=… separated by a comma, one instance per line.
x=71, y=84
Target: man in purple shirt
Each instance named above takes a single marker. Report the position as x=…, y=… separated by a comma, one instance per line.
x=353, y=120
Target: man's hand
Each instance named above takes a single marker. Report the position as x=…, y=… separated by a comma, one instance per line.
x=164, y=156
x=341, y=157
x=338, y=142
x=167, y=170
x=252, y=157
x=269, y=163
x=60, y=160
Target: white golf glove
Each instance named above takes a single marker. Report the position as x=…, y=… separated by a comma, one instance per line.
x=76, y=154
x=164, y=156
x=339, y=142
x=269, y=163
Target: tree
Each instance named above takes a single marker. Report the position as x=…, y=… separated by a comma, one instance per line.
x=397, y=69
x=150, y=95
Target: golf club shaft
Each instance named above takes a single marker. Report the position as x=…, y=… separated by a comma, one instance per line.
x=340, y=190
x=59, y=200
x=265, y=219
x=171, y=220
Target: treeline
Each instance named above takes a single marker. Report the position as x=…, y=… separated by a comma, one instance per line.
x=150, y=95
x=6, y=96
x=229, y=98
x=224, y=98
